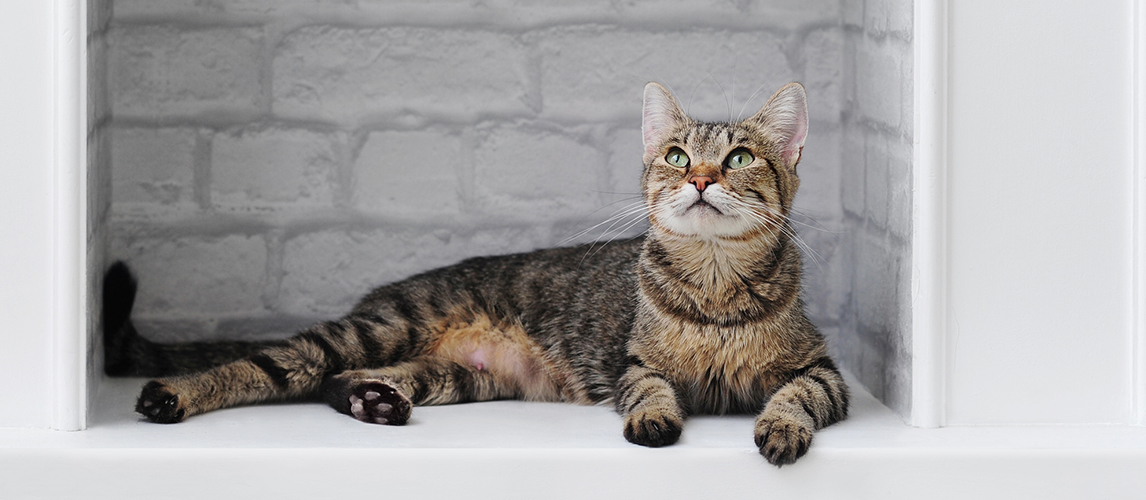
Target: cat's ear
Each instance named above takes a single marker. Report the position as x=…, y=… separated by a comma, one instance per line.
x=660, y=117
x=784, y=119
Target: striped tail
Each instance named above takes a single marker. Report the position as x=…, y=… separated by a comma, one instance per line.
x=127, y=354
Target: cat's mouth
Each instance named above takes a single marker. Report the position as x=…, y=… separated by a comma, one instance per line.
x=702, y=207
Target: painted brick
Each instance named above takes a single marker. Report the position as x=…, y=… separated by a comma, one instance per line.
x=98, y=104
x=326, y=273
x=853, y=13
x=888, y=17
x=848, y=78
x=907, y=88
x=595, y=72
x=785, y=14
x=354, y=75
x=164, y=70
x=128, y=8
x=182, y=8
x=553, y=5
x=163, y=328
x=99, y=179
x=876, y=193
x=824, y=272
x=96, y=261
x=875, y=16
x=409, y=172
x=876, y=279
x=823, y=73
x=264, y=327
x=807, y=11
x=900, y=187
x=99, y=14
x=256, y=326
x=901, y=18
x=529, y=172
x=819, y=195
x=876, y=184
x=153, y=166
x=878, y=89
x=625, y=165
x=852, y=170
x=193, y=275
x=273, y=167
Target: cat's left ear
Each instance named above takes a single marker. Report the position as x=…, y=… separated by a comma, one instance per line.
x=660, y=117
x=784, y=119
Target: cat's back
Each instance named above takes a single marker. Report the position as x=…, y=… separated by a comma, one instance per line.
x=518, y=282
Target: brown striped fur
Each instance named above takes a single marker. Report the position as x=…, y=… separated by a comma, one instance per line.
x=701, y=315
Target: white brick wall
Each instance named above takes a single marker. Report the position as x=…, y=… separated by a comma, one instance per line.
x=876, y=194
x=273, y=160
x=263, y=168
x=410, y=172
x=99, y=175
x=163, y=70
x=353, y=76
x=154, y=166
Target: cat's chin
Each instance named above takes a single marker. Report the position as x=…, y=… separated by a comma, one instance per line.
x=706, y=221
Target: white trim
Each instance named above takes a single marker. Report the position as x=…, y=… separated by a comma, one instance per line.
x=929, y=226
x=1139, y=230
x=69, y=336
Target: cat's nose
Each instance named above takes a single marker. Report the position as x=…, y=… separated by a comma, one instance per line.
x=700, y=181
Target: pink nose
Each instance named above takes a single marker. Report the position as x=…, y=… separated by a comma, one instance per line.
x=700, y=181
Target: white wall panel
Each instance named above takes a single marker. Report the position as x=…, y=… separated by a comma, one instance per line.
x=26, y=211
x=1040, y=212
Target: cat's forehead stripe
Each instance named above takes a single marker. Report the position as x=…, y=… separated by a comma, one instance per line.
x=711, y=138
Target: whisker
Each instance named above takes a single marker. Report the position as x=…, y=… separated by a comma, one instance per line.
x=749, y=101
x=620, y=231
x=781, y=223
x=727, y=103
x=637, y=211
x=622, y=213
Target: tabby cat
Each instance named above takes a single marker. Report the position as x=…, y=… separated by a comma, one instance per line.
x=702, y=314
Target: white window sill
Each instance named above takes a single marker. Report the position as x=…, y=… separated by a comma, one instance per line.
x=510, y=449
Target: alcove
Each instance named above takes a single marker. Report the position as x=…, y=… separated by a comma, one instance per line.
x=237, y=155
x=261, y=165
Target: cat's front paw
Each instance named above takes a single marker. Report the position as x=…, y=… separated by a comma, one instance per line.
x=159, y=404
x=655, y=429
x=377, y=402
x=782, y=439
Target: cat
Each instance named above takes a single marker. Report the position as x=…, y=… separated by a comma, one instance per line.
x=701, y=314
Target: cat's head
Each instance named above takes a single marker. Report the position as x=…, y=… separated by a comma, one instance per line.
x=722, y=180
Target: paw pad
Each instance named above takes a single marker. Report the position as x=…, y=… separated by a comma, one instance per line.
x=158, y=404
x=379, y=403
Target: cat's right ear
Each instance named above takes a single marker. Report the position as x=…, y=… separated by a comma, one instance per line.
x=660, y=118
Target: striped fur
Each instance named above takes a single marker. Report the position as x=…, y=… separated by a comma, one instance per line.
x=701, y=315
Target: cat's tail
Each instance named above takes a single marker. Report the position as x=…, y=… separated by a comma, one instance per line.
x=128, y=354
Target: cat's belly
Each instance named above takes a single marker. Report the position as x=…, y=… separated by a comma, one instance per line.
x=507, y=353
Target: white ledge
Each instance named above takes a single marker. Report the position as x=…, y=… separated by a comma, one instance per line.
x=512, y=449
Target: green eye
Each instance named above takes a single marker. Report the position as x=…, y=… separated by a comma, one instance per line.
x=739, y=158
x=677, y=158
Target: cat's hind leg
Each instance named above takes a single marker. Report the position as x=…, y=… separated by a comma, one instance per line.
x=387, y=395
x=292, y=369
